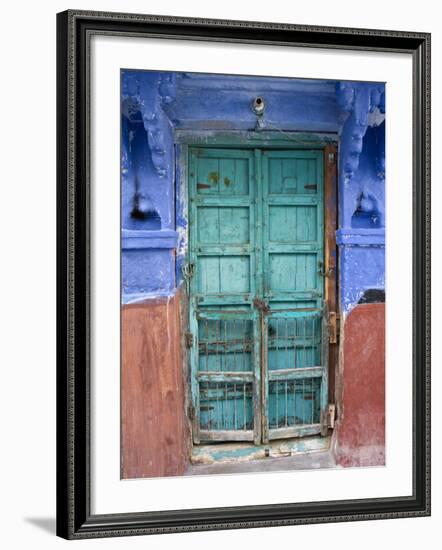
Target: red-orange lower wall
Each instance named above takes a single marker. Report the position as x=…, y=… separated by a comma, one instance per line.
x=359, y=435
x=154, y=423
x=154, y=437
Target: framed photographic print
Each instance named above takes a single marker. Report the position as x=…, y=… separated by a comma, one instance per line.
x=243, y=274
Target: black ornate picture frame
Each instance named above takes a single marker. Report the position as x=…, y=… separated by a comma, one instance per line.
x=74, y=517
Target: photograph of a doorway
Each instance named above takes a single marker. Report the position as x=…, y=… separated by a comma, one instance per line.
x=252, y=273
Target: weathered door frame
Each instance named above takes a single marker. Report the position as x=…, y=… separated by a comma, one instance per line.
x=184, y=139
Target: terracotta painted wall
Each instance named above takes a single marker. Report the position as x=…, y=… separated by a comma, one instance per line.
x=154, y=431
x=359, y=437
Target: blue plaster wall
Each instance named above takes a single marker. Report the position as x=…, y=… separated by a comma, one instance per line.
x=361, y=190
x=154, y=104
x=147, y=189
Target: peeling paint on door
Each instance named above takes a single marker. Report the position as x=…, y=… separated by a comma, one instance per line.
x=259, y=370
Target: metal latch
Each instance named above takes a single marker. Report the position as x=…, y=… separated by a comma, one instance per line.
x=325, y=273
x=261, y=305
x=328, y=419
x=189, y=339
x=333, y=327
x=312, y=186
x=331, y=415
x=188, y=270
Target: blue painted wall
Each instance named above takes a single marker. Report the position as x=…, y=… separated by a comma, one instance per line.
x=154, y=104
x=361, y=190
x=147, y=189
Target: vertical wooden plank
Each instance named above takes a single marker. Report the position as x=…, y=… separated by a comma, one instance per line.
x=330, y=253
x=263, y=190
x=325, y=361
x=319, y=171
x=302, y=175
x=264, y=389
x=228, y=183
x=208, y=174
x=256, y=194
x=193, y=287
x=273, y=169
x=242, y=177
x=322, y=284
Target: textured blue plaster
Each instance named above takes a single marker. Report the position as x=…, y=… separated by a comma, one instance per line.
x=366, y=181
x=147, y=141
x=284, y=111
x=181, y=220
x=147, y=271
x=155, y=103
x=361, y=268
x=165, y=238
x=361, y=239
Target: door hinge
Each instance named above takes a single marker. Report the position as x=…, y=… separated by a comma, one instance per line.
x=189, y=340
x=328, y=418
x=333, y=327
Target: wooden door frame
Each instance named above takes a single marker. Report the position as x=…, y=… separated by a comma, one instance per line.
x=331, y=263
x=328, y=143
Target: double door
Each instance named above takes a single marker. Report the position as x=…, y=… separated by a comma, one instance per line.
x=258, y=342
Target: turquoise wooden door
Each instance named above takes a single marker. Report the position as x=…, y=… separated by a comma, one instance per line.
x=259, y=353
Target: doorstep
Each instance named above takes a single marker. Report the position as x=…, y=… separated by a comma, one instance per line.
x=222, y=453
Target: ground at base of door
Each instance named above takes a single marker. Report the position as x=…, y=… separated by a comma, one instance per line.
x=304, y=461
x=236, y=454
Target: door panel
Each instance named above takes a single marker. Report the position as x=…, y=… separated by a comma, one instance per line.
x=295, y=374
x=258, y=362
x=219, y=274
x=227, y=380
x=293, y=224
x=292, y=272
x=222, y=172
x=294, y=342
x=224, y=225
x=292, y=205
x=292, y=174
x=225, y=356
x=225, y=345
x=293, y=368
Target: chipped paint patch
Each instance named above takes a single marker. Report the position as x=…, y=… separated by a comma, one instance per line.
x=214, y=177
x=243, y=452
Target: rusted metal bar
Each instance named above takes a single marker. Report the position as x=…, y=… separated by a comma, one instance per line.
x=232, y=376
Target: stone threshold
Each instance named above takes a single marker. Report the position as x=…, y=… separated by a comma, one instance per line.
x=224, y=453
